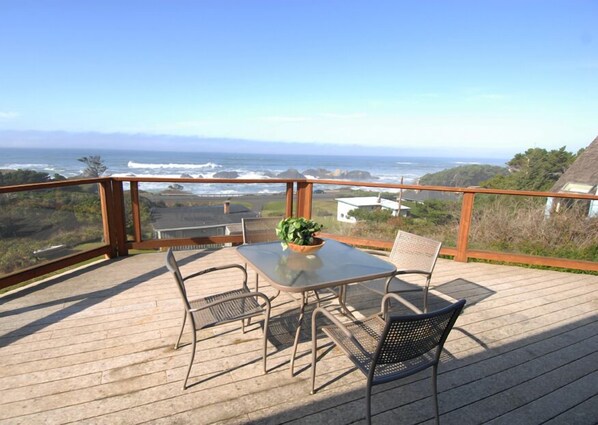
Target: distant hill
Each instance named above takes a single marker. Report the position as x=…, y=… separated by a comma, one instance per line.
x=463, y=176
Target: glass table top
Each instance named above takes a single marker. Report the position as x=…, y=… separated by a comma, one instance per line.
x=334, y=264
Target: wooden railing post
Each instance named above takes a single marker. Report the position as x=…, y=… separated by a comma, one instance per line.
x=304, y=199
x=106, y=201
x=119, y=217
x=289, y=200
x=135, y=210
x=464, y=226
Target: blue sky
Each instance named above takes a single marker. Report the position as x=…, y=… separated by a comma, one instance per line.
x=485, y=77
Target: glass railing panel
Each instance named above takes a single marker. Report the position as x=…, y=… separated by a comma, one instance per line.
x=37, y=226
x=373, y=213
x=536, y=226
x=191, y=210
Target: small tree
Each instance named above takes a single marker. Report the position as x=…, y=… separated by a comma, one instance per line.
x=95, y=166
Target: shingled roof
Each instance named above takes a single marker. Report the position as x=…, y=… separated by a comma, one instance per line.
x=198, y=216
x=584, y=170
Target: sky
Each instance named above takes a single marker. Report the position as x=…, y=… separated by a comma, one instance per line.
x=488, y=78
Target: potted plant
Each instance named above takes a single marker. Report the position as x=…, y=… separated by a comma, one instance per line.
x=298, y=234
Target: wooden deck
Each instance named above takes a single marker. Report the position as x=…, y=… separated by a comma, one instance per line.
x=96, y=346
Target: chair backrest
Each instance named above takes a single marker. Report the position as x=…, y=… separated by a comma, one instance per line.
x=260, y=229
x=408, y=337
x=173, y=268
x=414, y=252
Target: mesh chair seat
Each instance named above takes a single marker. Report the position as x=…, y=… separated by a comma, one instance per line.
x=228, y=311
x=411, y=254
x=220, y=308
x=368, y=333
x=386, y=346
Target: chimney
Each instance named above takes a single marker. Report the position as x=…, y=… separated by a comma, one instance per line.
x=227, y=207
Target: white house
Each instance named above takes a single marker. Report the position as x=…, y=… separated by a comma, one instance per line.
x=581, y=177
x=370, y=203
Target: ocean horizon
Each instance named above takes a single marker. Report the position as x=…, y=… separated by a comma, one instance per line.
x=137, y=163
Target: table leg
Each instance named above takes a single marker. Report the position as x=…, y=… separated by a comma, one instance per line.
x=298, y=331
x=341, y=300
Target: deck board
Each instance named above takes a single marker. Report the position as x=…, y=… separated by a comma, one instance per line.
x=96, y=346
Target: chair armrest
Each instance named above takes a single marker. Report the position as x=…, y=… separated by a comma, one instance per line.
x=385, y=302
x=329, y=316
x=337, y=323
x=412, y=272
x=219, y=268
x=237, y=297
x=402, y=272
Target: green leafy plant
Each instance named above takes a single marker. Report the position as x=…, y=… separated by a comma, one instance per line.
x=297, y=230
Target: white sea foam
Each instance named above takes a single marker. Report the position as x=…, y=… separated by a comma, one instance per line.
x=16, y=166
x=252, y=175
x=208, y=165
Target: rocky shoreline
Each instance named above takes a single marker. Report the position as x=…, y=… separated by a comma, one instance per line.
x=292, y=173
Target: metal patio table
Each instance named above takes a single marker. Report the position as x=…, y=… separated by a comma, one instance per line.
x=335, y=265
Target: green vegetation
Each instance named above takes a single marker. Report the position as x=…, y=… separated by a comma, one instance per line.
x=10, y=178
x=499, y=223
x=39, y=225
x=463, y=176
x=535, y=169
x=274, y=209
x=375, y=216
x=37, y=220
x=94, y=166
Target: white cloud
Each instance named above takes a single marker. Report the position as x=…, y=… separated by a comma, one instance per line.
x=8, y=115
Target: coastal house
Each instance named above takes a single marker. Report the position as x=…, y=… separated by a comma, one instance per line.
x=199, y=221
x=368, y=203
x=580, y=177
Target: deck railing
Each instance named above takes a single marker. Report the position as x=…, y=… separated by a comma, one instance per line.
x=298, y=201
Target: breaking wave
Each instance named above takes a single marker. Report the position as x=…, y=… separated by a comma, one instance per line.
x=207, y=165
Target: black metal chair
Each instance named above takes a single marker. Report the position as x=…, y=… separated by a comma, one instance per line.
x=220, y=308
x=411, y=254
x=386, y=347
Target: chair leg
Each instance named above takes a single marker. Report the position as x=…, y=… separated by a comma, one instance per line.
x=435, y=390
x=314, y=355
x=192, y=358
x=426, y=296
x=368, y=403
x=266, y=320
x=257, y=287
x=176, y=345
x=274, y=297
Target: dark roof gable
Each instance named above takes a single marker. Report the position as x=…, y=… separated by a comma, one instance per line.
x=584, y=170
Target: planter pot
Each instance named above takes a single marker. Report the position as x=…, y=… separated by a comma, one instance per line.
x=307, y=249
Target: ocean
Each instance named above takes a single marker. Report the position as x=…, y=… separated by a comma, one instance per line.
x=384, y=169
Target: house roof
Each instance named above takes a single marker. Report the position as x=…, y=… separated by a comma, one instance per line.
x=199, y=216
x=583, y=171
x=371, y=201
